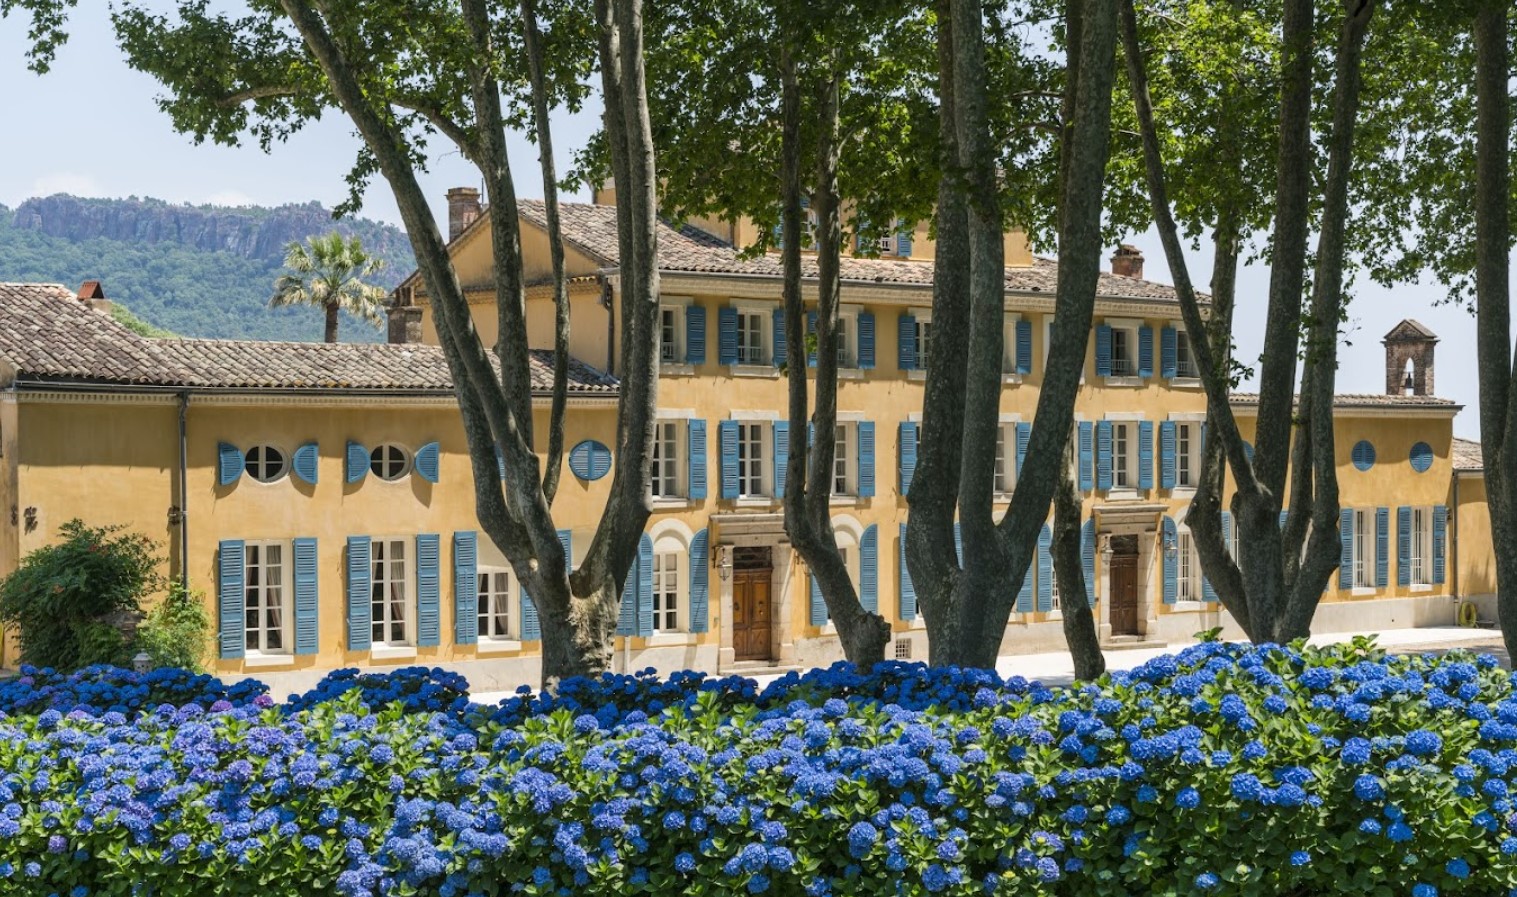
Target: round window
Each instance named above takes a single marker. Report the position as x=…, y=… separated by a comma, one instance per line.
x=389, y=462
x=265, y=463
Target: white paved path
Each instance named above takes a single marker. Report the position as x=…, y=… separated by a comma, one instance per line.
x=1058, y=668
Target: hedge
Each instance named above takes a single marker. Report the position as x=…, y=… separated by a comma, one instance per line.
x=1220, y=770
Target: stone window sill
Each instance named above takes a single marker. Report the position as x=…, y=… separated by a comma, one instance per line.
x=1187, y=607
x=916, y=374
x=1124, y=381
x=1420, y=589
x=392, y=652
x=1011, y=379
x=1363, y=591
x=671, y=639
x=755, y=502
x=850, y=374
x=262, y=661
x=674, y=369
x=672, y=504
x=764, y=371
x=489, y=646
x=1185, y=382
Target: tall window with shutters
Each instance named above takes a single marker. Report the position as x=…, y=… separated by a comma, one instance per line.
x=1421, y=560
x=1364, y=548
x=1185, y=362
x=843, y=462
x=752, y=347
x=267, y=593
x=667, y=479
x=390, y=592
x=1123, y=466
x=495, y=588
x=1188, y=570
x=924, y=339
x=1187, y=454
x=666, y=587
x=752, y=460
x=670, y=335
x=1006, y=463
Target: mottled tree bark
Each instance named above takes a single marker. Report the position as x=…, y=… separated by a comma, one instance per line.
x=1078, y=617
x=329, y=335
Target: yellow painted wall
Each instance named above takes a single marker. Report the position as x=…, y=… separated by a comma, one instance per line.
x=1477, y=556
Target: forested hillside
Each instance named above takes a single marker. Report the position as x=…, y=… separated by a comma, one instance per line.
x=194, y=270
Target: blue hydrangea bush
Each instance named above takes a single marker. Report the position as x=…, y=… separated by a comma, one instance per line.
x=1220, y=770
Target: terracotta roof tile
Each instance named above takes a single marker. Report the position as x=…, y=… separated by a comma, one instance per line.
x=1366, y=400
x=49, y=335
x=1468, y=455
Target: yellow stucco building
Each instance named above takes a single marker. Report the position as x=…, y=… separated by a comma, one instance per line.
x=320, y=496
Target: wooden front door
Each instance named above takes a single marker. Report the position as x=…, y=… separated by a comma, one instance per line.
x=1124, y=594
x=751, y=614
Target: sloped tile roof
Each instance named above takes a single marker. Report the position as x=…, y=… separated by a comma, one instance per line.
x=1468, y=455
x=48, y=335
x=1366, y=400
x=592, y=228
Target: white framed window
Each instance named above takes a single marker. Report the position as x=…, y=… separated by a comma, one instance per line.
x=265, y=463
x=1188, y=568
x=389, y=462
x=1009, y=345
x=1123, y=446
x=1006, y=458
x=1363, y=542
x=848, y=338
x=1422, y=547
x=390, y=592
x=667, y=603
x=1124, y=352
x=667, y=473
x=266, y=593
x=753, y=459
x=1187, y=454
x=1053, y=590
x=496, y=586
x=1185, y=362
x=923, y=336
x=844, y=468
x=671, y=336
x=887, y=244
x=752, y=336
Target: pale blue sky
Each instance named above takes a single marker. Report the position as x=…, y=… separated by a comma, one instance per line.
x=90, y=127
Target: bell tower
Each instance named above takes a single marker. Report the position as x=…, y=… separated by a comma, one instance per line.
x=1409, y=359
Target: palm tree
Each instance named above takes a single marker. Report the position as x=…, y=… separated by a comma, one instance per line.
x=330, y=275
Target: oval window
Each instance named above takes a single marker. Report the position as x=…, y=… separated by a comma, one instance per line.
x=265, y=463
x=389, y=462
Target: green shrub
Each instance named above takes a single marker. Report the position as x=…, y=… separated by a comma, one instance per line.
x=67, y=599
x=177, y=630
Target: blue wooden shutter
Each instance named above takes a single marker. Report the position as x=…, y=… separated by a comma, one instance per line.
x=1024, y=435
x=600, y=460
x=1087, y=455
x=1227, y=542
x=779, y=336
x=1024, y=602
x=865, y=431
x=906, y=341
x=1045, y=570
x=231, y=596
x=228, y=463
x=1169, y=353
x=726, y=333
x=359, y=573
x=866, y=341
x=645, y=585
x=500, y=462
x=428, y=590
x=1168, y=462
x=1103, y=351
x=695, y=443
x=1440, y=539
x=908, y=454
x=727, y=436
x=304, y=462
x=1024, y=346
x=306, y=601
x=1170, y=536
x=1145, y=351
x=1421, y=457
x=700, y=582
x=1145, y=454
x=1346, y=549
x=958, y=542
x=1103, y=455
x=426, y=462
x=1382, y=547
x=1088, y=560
x=908, y=609
x=869, y=569
x=695, y=334
x=818, y=605
x=781, y=455
x=531, y=629
x=1404, y=546
x=626, y=620
x=466, y=587
x=355, y=462
x=1363, y=454
x=903, y=241
x=810, y=339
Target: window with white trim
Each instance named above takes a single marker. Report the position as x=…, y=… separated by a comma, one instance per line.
x=1123, y=449
x=667, y=472
x=267, y=595
x=923, y=337
x=1006, y=459
x=752, y=337
x=666, y=587
x=1187, y=454
x=1422, y=547
x=753, y=459
x=390, y=593
x=1009, y=345
x=495, y=587
x=1185, y=362
x=844, y=470
x=1053, y=590
x=1187, y=568
x=847, y=335
x=671, y=337
x=265, y=463
x=1362, y=542
x=1124, y=351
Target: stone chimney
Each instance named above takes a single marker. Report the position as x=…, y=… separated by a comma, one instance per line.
x=1127, y=261
x=1409, y=359
x=405, y=319
x=91, y=293
x=463, y=208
